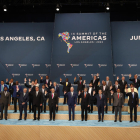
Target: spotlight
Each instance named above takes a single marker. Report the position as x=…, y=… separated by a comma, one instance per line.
x=57, y=7
x=107, y=8
x=4, y=8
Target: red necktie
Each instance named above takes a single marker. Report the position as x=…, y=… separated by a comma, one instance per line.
x=80, y=82
x=52, y=96
x=118, y=95
x=85, y=95
x=100, y=97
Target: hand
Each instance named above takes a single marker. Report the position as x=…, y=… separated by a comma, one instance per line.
x=110, y=87
x=6, y=79
x=8, y=104
x=56, y=105
x=97, y=75
x=25, y=79
x=60, y=79
x=75, y=105
x=136, y=105
x=65, y=92
x=17, y=89
x=46, y=85
x=50, y=82
x=99, y=83
x=23, y=103
x=29, y=89
x=46, y=92
x=93, y=92
x=74, y=78
x=130, y=75
x=88, y=105
x=122, y=106
x=79, y=92
x=104, y=106
x=126, y=91
x=111, y=91
x=29, y=80
x=102, y=81
x=41, y=78
x=117, y=77
x=84, y=81
x=10, y=82
x=40, y=104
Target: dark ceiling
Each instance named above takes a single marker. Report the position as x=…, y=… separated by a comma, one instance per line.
x=44, y=10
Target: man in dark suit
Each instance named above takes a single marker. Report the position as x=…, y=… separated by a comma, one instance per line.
x=105, y=89
x=118, y=103
x=15, y=96
x=95, y=81
x=11, y=83
x=114, y=89
x=122, y=83
x=109, y=84
x=23, y=99
x=135, y=80
x=81, y=85
x=32, y=89
x=45, y=81
x=37, y=101
x=101, y=104
x=66, y=87
x=85, y=103
x=53, y=102
x=90, y=91
x=4, y=102
x=133, y=103
x=72, y=100
x=44, y=98
x=57, y=91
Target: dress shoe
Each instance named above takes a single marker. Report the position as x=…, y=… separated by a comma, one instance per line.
x=53, y=119
x=50, y=119
x=25, y=119
x=112, y=112
x=38, y=119
x=120, y=120
x=98, y=120
x=82, y=120
x=102, y=120
x=91, y=111
x=5, y=118
x=85, y=119
x=29, y=112
x=19, y=119
x=88, y=111
x=1, y=118
x=34, y=119
x=15, y=112
x=135, y=121
x=72, y=120
x=106, y=112
x=69, y=120
x=130, y=120
x=115, y=121
x=44, y=111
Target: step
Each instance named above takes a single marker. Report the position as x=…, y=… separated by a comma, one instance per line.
x=63, y=115
x=77, y=108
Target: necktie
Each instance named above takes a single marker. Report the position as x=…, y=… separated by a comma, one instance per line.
x=100, y=97
x=52, y=96
x=80, y=82
x=133, y=95
x=66, y=83
x=85, y=95
x=118, y=95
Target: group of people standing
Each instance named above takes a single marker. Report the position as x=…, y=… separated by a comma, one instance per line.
x=95, y=94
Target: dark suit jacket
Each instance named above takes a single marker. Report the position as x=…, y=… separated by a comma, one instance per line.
x=43, y=94
x=106, y=91
x=114, y=88
x=72, y=100
x=5, y=99
x=66, y=88
x=44, y=81
x=54, y=101
x=23, y=98
x=101, y=102
x=122, y=85
x=14, y=90
x=80, y=87
x=57, y=90
x=135, y=100
x=85, y=101
x=95, y=84
x=10, y=85
x=137, y=84
x=37, y=100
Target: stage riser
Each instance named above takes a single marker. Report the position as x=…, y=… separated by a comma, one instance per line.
x=77, y=108
x=66, y=117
